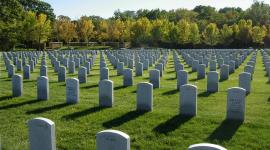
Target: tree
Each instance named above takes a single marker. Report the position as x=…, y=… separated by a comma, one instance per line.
x=11, y=23
x=39, y=7
x=141, y=31
x=116, y=30
x=194, y=37
x=211, y=34
x=226, y=35
x=173, y=34
x=29, y=26
x=184, y=31
x=259, y=13
x=258, y=34
x=102, y=31
x=42, y=29
x=85, y=29
x=159, y=31
x=244, y=35
x=65, y=29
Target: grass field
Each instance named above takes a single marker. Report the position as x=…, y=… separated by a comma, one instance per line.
x=163, y=128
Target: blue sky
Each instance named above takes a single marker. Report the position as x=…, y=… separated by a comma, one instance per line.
x=105, y=8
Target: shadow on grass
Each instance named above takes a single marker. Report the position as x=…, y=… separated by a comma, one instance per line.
x=268, y=99
x=225, y=131
x=28, y=81
x=83, y=113
x=191, y=72
x=196, y=79
x=19, y=104
x=120, y=87
x=135, y=91
x=172, y=78
x=146, y=78
x=5, y=98
x=171, y=92
x=123, y=119
x=222, y=80
x=170, y=71
x=44, y=109
x=90, y=86
x=205, y=94
x=172, y=124
x=92, y=75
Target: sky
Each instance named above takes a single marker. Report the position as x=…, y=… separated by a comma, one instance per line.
x=105, y=8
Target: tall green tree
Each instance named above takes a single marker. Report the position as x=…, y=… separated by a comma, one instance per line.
x=258, y=34
x=226, y=35
x=85, y=29
x=42, y=29
x=141, y=31
x=244, y=35
x=11, y=23
x=211, y=34
x=194, y=37
x=184, y=31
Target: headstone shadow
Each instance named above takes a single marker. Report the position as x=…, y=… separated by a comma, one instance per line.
x=205, y=94
x=172, y=78
x=83, y=113
x=172, y=124
x=123, y=119
x=225, y=131
x=5, y=98
x=19, y=104
x=120, y=87
x=90, y=86
x=49, y=108
x=171, y=92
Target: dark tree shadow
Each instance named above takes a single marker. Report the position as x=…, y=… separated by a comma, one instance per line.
x=205, y=94
x=19, y=104
x=120, y=87
x=172, y=124
x=83, y=113
x=90, y=86
x=172, y=78
x=123, y=119
x=268, y=99
x=44, y=109
x=146, y=78
x=171, y=92
x=5, y=98
x=225, y=131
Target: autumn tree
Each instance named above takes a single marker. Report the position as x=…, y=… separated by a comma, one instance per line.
x=85, y=29
x=194, y=36
x=184, y=31
x=226, y=35
x=258, y=34
x=211, y=34
x=65, y=29
x=244, y=35
x=141, y=31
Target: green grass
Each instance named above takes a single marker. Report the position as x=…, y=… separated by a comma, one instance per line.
x=163, y=128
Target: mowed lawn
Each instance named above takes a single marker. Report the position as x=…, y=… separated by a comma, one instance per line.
x=163, y=128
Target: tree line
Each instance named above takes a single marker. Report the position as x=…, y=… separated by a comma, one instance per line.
x=30, y=22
